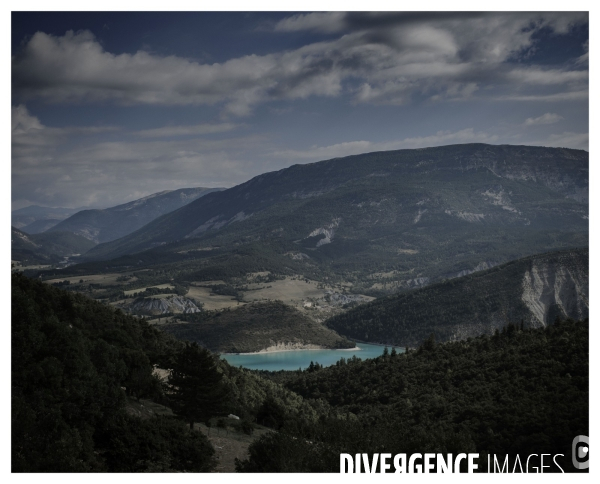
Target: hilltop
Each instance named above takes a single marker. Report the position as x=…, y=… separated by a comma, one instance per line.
x=254, y=327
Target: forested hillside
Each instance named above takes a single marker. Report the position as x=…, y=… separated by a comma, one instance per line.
x=534, y=290
x=518, y=392
x=254, y=327
x=76, y=365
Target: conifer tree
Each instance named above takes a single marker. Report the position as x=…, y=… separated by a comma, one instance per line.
x=198, y=390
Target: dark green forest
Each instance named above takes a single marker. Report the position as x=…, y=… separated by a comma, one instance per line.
x=518, y=392
x=76, y=365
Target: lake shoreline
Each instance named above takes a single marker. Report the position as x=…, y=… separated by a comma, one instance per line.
x=294, y=359
x=270, y=351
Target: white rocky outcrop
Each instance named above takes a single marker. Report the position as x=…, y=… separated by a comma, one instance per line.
x=466, y=216
x=546, y=285
x=328, y=231
x=163, y=305
x=298, y=255
x=418, y=282
x=498, y=196
x=418, y=216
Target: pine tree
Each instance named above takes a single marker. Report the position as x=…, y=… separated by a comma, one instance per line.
x=198, y=390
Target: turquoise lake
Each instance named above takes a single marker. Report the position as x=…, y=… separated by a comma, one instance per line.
x=292, y=360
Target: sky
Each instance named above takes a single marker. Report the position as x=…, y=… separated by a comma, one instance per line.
x=108, y=107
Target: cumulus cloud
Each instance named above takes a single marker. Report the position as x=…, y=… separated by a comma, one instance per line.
x=30, y=137
x=22, y=122
x=375, y=58
x=75, y=67
x=107, y=165
x=548, y=118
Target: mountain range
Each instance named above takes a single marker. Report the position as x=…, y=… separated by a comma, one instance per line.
x=25, y=216
x=115, y=222
x=385, y=221
x=453, y=233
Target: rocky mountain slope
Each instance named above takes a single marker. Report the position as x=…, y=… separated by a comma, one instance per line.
x=534, y=290
x=383, y=222
x=115, y=222
x=162, y=305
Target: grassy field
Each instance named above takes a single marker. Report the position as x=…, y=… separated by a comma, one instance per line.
x=290, y=291
x=202, y=295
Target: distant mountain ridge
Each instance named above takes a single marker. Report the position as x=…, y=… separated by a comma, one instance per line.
x=46, y=248
x=105, y=225
x=28, y=215
x=39, y=226
x=385, y=221
x=535, y=290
